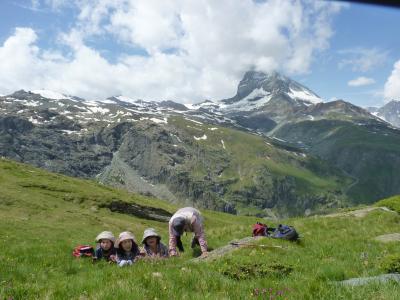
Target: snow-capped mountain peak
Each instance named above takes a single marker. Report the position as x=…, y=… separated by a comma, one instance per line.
x=390, y=112
x=257, y=88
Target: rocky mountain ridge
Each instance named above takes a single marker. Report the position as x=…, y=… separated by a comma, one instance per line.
x=390, y=112
x=274, y=147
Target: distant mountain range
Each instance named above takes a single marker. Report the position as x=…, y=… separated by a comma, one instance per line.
x=390, y=112
x=273, y=148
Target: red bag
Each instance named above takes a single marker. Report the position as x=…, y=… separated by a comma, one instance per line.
x=83, y=251
x=260, y=229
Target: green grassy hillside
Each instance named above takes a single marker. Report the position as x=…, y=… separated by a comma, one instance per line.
x=44, y=215
x=368, y=152
x=255, y=174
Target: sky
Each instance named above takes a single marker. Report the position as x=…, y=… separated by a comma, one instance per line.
x=192, y=50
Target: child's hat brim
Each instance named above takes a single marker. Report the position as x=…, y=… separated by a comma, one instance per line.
x=105, y=235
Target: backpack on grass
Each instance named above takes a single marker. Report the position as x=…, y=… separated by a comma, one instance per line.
x=83, y=251
x=285, y=232
x=260, y=229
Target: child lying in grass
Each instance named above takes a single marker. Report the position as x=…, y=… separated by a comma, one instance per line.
x=127, y=249
x=152, y=244
x=105, y=247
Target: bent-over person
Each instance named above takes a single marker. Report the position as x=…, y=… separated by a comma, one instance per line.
x=187, y=219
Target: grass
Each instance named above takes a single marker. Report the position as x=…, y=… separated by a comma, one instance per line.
x=43, y=216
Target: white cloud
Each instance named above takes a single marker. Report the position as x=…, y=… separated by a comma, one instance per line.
x=17, y=56
x=41, y=5
x=196, y=49
x=153, y=25
x=56, y=4
x=363, y=59
x=361, y=81
x=35, y=4
x=392, y=85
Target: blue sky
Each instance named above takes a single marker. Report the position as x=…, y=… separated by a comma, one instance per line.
x=192, y=50
x=357, y=27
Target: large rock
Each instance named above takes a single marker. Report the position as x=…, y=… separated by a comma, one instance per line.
x=387, y=238
x=375, y=279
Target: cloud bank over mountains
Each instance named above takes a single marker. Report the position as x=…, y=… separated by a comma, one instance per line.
x=182, y=50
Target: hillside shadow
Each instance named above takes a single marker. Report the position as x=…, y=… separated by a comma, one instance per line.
x=137, y=210
x=196, y=252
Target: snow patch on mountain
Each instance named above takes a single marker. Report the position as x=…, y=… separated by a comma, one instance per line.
x=256, y=93
x=256, y=99
x=190, y=106
x=158, y=121
x=96, y=109
x=304, y=95
x=223, y=144
x=51, y=94
x=120, y=112
x=108, y=101
x=125, y=99
x=177, y=137
x=194, y=121
x=139, y=102
x=204, y=137
x=33, y=121
x=32, y=103
x=91, y=103
x=68, y=131
x=278, y=139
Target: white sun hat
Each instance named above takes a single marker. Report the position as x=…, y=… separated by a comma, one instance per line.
x=105, y=235
x=150, y=232
x=126, y=235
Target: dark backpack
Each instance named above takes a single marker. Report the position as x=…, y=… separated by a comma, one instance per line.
x=260, y=229
x=285, y=232
x=83, y=251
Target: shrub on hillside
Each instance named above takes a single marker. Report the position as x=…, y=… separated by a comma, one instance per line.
x=251, y=270
x=393, y=203
x=391, y=263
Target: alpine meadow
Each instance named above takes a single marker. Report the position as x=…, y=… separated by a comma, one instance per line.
x=199, y=149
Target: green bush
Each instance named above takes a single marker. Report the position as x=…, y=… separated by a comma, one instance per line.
x=251, y=270
x=391, y=263
x=393, y=203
